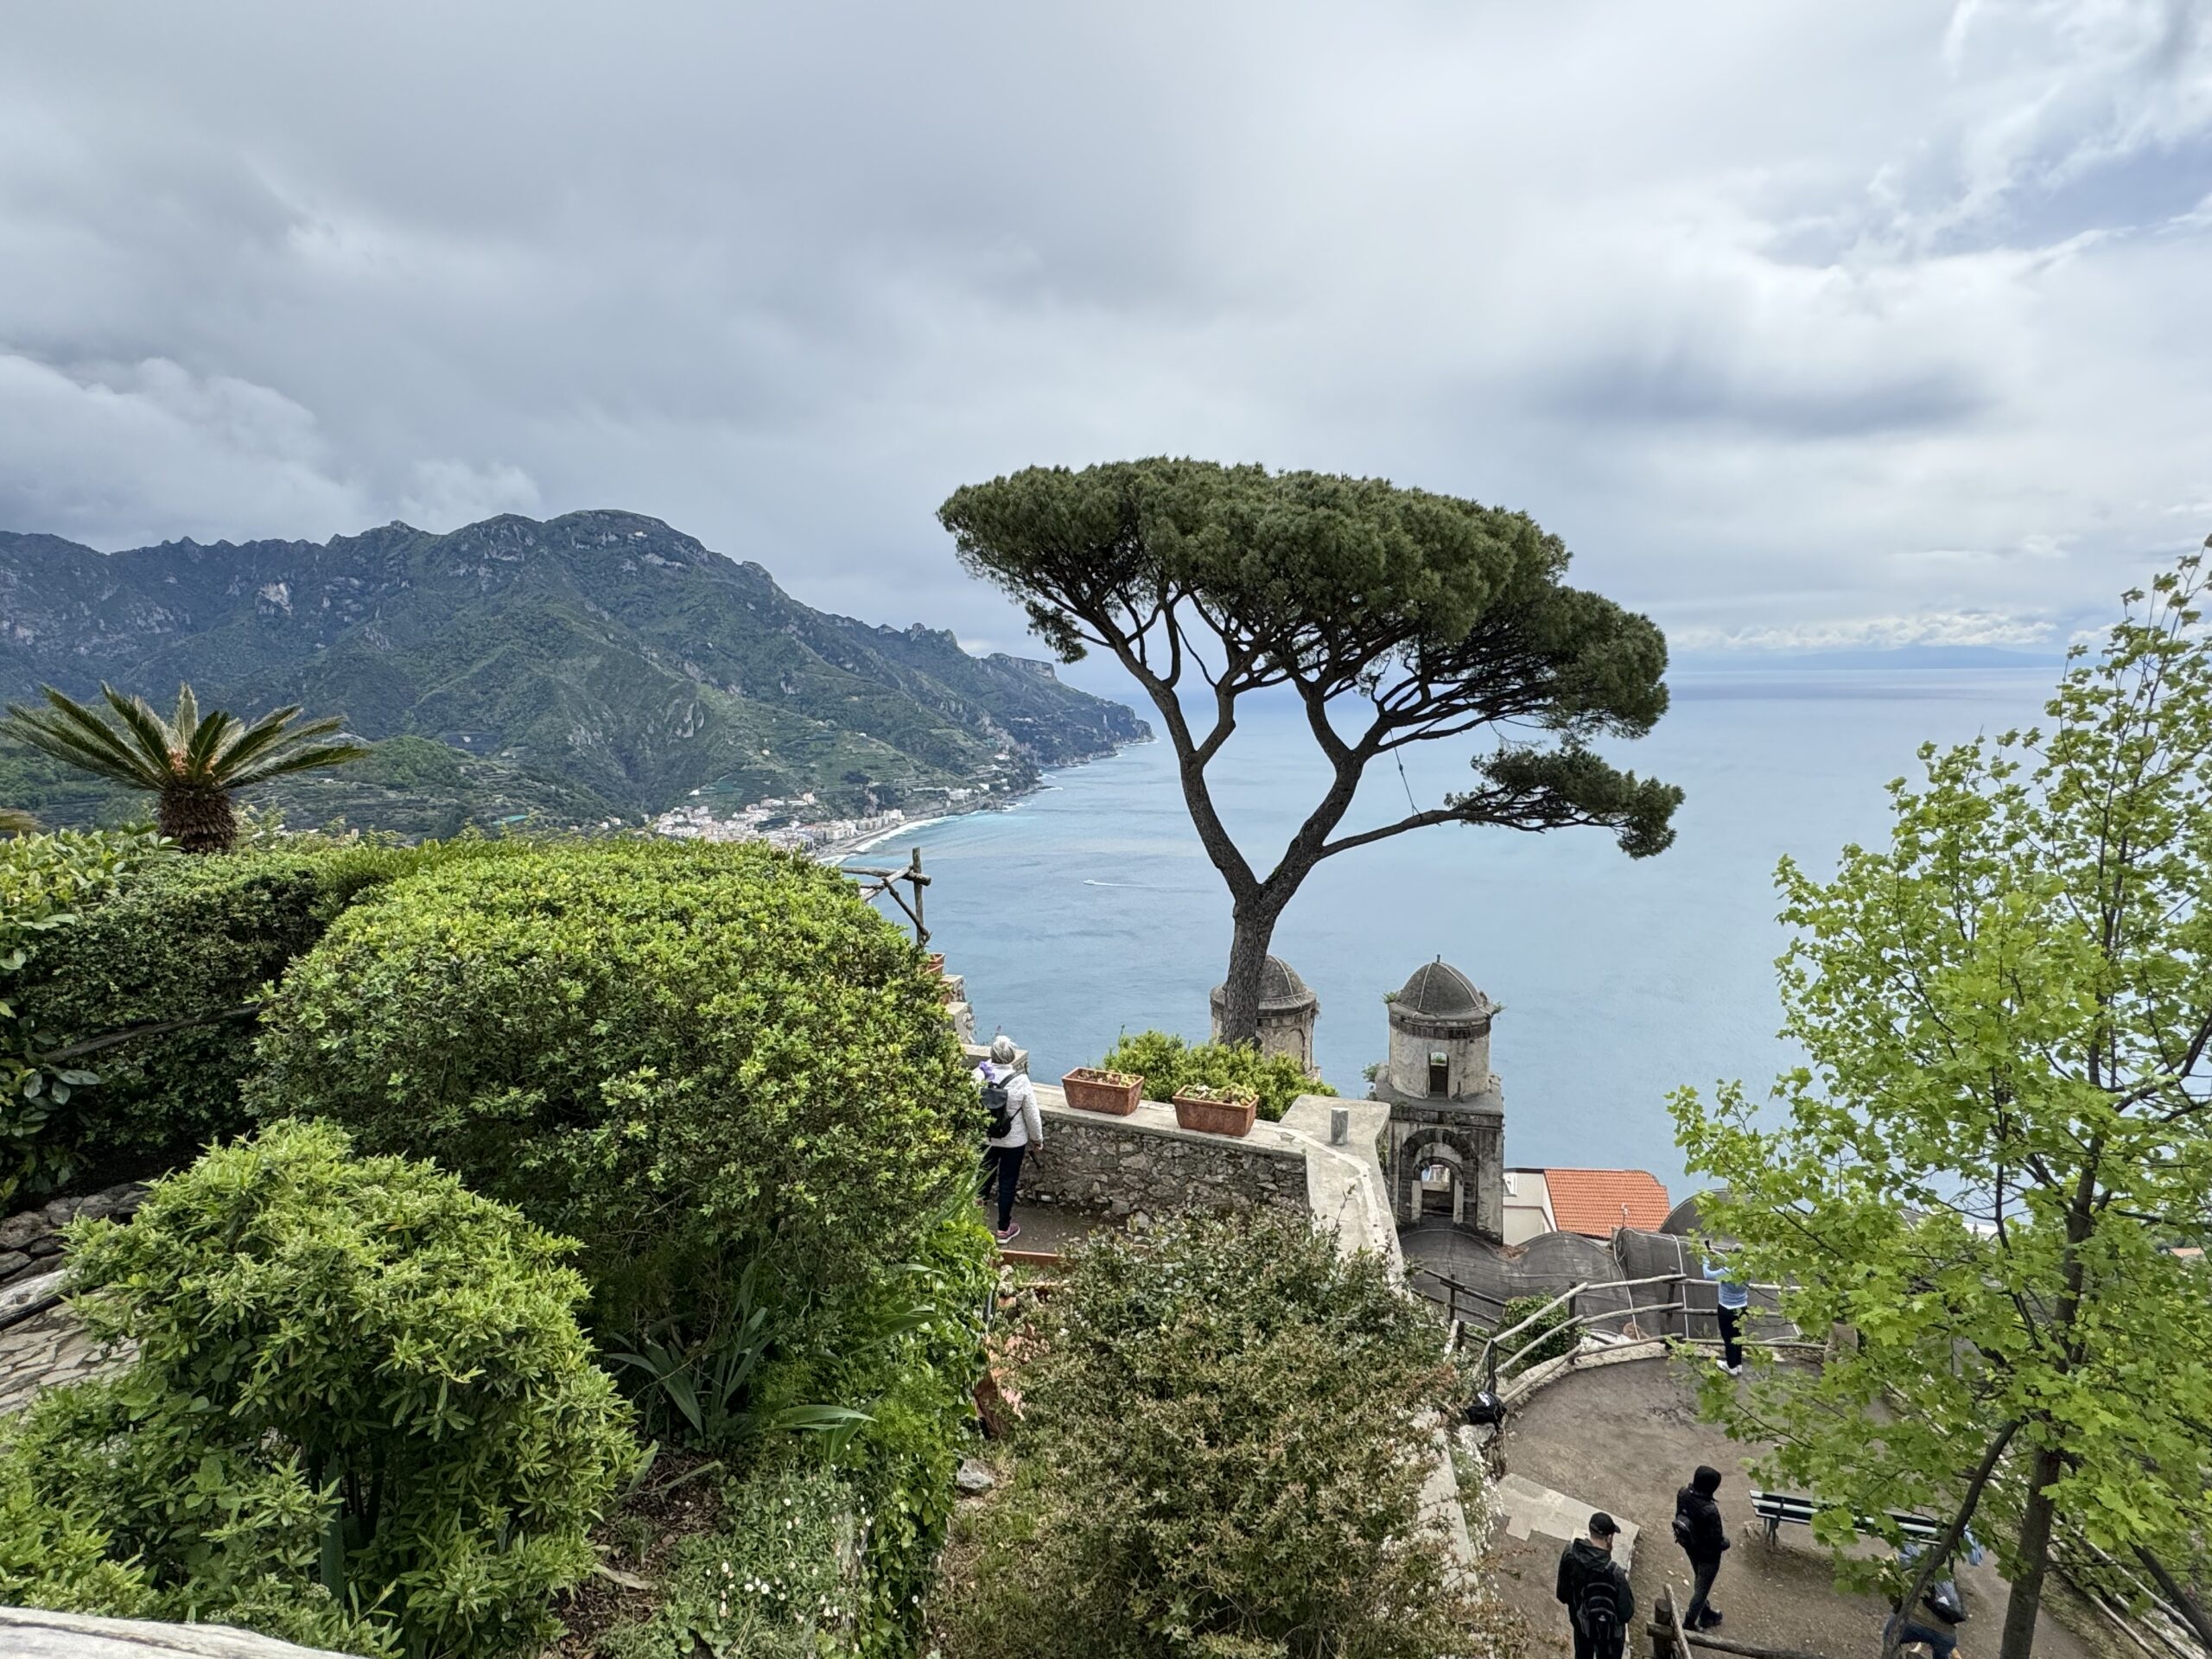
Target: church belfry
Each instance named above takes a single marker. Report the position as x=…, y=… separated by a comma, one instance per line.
x=1446, y=1138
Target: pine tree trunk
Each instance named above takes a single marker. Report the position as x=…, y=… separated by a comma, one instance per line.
x=1248, y=956
x=2036, y=1518
x=199, y=820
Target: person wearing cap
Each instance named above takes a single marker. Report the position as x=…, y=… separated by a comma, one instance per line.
x=1594, y=1591
x=1008, y=1093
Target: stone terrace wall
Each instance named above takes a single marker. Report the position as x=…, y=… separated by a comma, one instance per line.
x=1145, y=1164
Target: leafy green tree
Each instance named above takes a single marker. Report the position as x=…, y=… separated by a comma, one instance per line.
x=2003, y=1127
x=191, y=763
x=351, y=1376
x=1396, y=616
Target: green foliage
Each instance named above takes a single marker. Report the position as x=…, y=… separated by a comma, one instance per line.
x=2005, y=1119
x=48, y=882
x=1223, y=1453
x=910, y=1353
x=601, y=651
x=777, y=1579
x=190, y=763
x=414, y=787
x=1396, y=615
x=187, y=943
x=1551, y=1336
x=349, y=1372
x=182, y=939
x=1170, y=1066
x=55, y=1555
x=690, y=1057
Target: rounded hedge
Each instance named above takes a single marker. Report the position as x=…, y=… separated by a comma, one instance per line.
x=684, y=1055
x=354, y=1386
x=178, y=949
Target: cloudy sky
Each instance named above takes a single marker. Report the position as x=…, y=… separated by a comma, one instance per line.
x=1803, y=323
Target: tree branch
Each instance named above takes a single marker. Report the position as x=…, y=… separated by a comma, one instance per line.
x=154, y=1028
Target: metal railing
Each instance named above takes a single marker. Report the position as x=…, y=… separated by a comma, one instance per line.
x=1621, y=1316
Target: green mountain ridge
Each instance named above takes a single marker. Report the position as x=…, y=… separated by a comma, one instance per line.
x=601, y=656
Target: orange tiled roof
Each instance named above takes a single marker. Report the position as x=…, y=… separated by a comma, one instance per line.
x=1593, y=1202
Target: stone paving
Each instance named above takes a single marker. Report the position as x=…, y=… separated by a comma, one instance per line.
x=48, y=1348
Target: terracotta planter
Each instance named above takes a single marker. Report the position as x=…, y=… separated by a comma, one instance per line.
x=1090, y=1090
x=936, y=963
x=1216, y=1116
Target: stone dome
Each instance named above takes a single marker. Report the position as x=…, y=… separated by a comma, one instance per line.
x=1440, y=991
x=1281, y=991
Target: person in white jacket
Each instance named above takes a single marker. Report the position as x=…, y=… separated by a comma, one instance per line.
x=1015, y=1127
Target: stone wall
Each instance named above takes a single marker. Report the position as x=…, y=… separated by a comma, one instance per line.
x=31, y=1242
x=1145, y=1165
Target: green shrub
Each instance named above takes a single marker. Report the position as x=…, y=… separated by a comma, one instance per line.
x=1167, y=1064
x=55, y=1555
x=187, y=939
x=908, y=1352
x=48, y=882
x=692, y=1058
x=1550, y=1335
x=777, y=1579
x=1223, y=1453
x=190, y=940
x=354, y=1373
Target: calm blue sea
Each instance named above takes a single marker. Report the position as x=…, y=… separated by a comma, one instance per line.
x=1090, y=908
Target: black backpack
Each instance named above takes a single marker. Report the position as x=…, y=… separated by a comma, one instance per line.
x=1596, y=1613
x=995, y=1103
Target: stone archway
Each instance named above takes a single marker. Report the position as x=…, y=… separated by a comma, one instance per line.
x=1417, y=1153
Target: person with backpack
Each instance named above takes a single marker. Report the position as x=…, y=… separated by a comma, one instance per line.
x=1594, y=1590
x=1015, y=1125
x=1703, y=1535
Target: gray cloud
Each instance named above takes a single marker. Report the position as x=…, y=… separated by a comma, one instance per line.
x=1823, y=323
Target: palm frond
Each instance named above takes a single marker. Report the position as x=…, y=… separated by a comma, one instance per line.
x=186, y=721
x=291, y=760
x=147, y=730
x=13, y=823
x=68, y=731
x=268, y=731
x=204, y=750
x=211, y=750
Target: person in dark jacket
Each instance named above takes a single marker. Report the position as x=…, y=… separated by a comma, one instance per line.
x=1595, y=1592
x=1703, y=1535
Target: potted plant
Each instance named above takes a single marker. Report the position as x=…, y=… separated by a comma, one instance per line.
x=1091, y=1090
x=1215, y=1111
x=936, y=963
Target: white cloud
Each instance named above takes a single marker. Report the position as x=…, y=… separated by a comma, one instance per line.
x=1876, y=633
x=1787, y=319
x=447, y=494
x=148, y=451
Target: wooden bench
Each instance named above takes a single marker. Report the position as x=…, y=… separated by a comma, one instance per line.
x=1775, y=1508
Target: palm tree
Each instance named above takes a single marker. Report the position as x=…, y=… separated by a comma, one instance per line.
x=190, y=764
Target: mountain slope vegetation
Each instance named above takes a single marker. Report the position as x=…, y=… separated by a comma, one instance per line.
x=601, y=657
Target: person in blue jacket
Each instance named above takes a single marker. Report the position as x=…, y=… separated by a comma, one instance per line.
x=1734, y=1296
